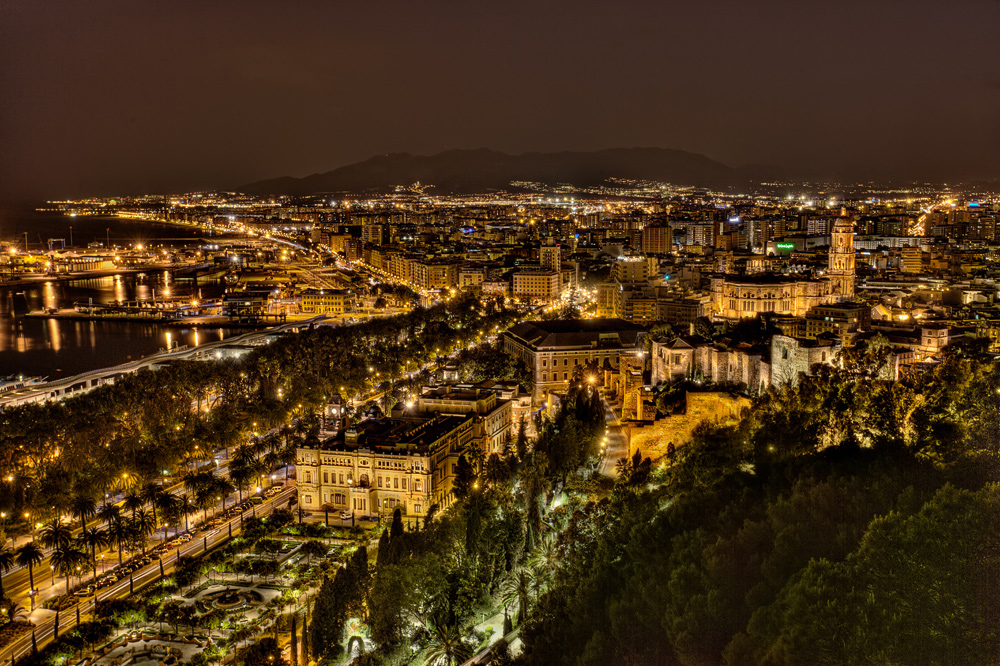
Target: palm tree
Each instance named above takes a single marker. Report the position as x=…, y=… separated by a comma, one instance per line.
x=109, y=513
x=205, y=498
x=133, y=502
x=169, y=506
x=288, y=454
x=199, y=485
x=540, y=575
x=28, y=556
x=118, y=534
x=224, y=489
x=622, y=467
x=518, y=588
x=185, y=507
x=54, y=534
x=83, y=508
x=16, y=612
x=546, y=553
x=6, y=564
x=153, y=493
x=92, y=540
x=104, y=478
x=446, y=647
x=66, y=558
x=126, y=481
x=271, y=461
x=141, y=526
x=495, y=471
x=241, y=473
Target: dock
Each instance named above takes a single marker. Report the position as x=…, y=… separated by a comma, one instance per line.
x=167, y=318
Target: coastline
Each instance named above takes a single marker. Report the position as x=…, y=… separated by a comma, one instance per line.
x=83, y=275
x=184, y=225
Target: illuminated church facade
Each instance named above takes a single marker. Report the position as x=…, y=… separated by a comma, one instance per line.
x=736, y=297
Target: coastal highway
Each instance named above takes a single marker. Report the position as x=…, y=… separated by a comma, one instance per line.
x=15, y=581
x=44, y=629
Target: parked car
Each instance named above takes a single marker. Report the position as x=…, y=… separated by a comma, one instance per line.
x=345, y=515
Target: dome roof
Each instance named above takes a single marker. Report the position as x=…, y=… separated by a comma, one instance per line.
x=843, y=225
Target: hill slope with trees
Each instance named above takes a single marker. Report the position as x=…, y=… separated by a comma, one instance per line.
x=849, y=520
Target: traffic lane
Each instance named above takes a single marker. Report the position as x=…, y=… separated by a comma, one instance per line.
x=614, y=450
x=617, y=445
x=150, y=572
x=16, y=580
x=177, y=489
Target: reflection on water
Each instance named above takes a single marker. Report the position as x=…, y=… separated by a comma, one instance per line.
x=59, y=348
x=53, y=335
x=49, y=295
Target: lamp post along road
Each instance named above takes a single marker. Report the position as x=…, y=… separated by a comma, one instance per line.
x=45, y=629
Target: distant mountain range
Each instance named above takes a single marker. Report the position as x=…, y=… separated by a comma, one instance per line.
x=483, y=170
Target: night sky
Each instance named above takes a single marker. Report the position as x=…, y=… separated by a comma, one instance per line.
x=116, y=97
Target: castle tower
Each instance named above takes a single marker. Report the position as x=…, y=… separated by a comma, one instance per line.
x=630, y=368
x=840, y=272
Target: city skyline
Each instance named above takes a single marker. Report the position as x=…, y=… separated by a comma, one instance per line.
x=529, y=334
x=114, y=98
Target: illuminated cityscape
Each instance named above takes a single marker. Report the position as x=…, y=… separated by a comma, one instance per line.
x=287, y=379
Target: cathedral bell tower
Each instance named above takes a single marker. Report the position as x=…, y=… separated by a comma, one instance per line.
x=840, y=272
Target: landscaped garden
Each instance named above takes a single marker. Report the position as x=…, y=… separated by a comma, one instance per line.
x=238, y=599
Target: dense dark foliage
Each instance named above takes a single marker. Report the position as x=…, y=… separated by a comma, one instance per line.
x=850, y=520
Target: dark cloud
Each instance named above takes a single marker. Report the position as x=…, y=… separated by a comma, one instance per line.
x=125, y=96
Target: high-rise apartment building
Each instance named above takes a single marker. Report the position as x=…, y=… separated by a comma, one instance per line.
x=538, y=285
x=634, y=270
x=550, y=257
x=657, y=239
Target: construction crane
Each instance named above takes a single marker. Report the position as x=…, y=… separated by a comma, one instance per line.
x=61, y=240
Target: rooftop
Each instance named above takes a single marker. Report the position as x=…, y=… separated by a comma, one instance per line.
x=399, y=434
x=578, y=333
